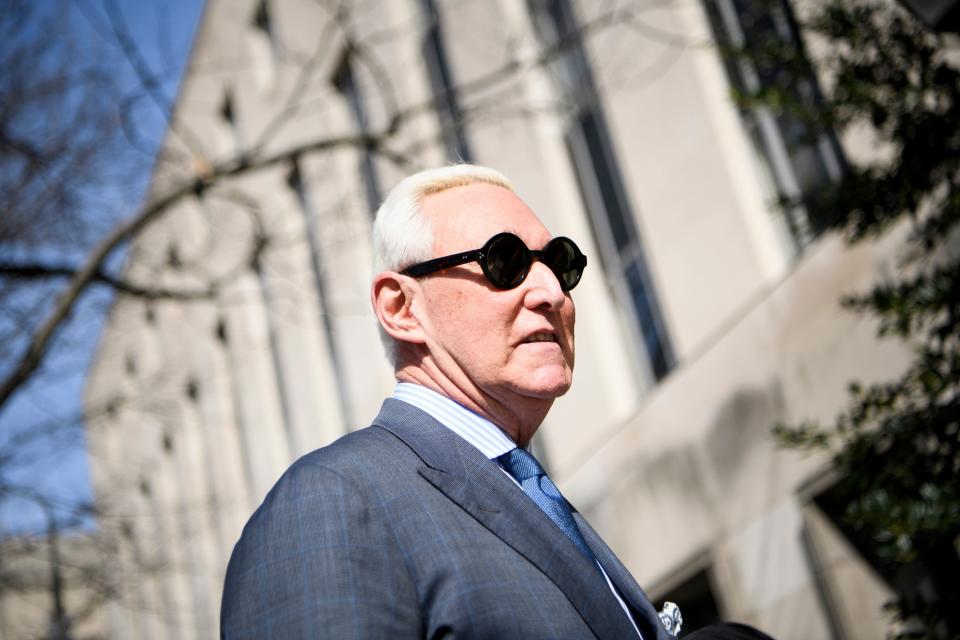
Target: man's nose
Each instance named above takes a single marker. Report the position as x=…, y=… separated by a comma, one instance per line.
x=543, y=288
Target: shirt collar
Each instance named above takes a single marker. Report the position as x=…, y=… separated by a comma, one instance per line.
x=475, y=429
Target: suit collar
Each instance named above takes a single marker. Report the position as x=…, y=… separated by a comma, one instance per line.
x=429, y=439
x=480, y=488
x=472, y=427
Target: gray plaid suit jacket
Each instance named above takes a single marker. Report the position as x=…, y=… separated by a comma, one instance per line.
x=404, y=530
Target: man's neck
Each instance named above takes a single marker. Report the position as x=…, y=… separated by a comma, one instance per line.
x=517, y=416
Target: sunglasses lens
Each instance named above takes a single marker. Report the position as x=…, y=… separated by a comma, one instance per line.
x=565, y=260
x=507, y=261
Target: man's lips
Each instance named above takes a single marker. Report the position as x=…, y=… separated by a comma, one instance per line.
x=540, y=336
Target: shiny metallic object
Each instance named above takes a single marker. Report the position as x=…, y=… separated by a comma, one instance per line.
x=670, y=618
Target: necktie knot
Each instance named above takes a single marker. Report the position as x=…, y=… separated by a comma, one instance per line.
x=535, y=483
x=521, y=465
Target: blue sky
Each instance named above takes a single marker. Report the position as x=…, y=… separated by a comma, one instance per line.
x=55, y=466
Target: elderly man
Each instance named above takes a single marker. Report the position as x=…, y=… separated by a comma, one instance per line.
x=435, y=521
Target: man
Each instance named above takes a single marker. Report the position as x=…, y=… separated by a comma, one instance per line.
x=434, y=522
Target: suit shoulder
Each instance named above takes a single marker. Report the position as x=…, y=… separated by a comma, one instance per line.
x=352, y=465
x=296, y=563
x=349, y=455
x=341, y=476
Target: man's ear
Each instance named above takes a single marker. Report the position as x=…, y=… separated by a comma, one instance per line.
x=392, y=298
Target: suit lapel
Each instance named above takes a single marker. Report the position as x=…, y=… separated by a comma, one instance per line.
x=645, y=614
x=480, y=488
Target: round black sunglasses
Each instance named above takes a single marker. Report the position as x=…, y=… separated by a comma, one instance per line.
x=506, y=260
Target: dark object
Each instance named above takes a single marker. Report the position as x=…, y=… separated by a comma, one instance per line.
x=939, y=15
x=726, y=631
x=506, y=260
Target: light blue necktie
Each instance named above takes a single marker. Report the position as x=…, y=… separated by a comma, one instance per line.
x=531, y=476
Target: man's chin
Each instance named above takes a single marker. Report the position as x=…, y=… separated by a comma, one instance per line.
x=546, y=389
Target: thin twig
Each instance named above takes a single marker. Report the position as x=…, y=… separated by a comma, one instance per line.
x=37, y=270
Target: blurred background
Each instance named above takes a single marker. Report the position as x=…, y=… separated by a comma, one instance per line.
x=765, y=418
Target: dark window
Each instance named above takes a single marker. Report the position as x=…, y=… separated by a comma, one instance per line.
x=226, y=107
x=130, y=364
x=266, y=43
x=763, y=52
x=221, y=331
x=173, y=257
x=601, y=185
x=192, y=389
x=640, y=288
x=229, y=116
x=262, y=20
x=346, y=83
x=444, y=91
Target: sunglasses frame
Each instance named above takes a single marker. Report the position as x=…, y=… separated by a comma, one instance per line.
x=480, y=255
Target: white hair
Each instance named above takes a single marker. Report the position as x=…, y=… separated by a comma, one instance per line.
x=402, y=235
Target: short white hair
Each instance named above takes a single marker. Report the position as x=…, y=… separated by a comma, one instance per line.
x=402, y=235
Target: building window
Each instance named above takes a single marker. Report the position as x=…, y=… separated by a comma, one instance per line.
x=130, y=365
x=228, y=116
x=592, y=155
x=346, y=83
x=192, y=389
x=264, y=45
x=221, y=331
x=441, y=83
x=263, y=23
x=173, y=256
x=797, y=163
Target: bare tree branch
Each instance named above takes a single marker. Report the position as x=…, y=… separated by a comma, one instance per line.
x=39, y=270
x=244, y=163
x=39, y=342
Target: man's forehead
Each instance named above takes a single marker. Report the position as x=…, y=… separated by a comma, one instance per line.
x=480, y=207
